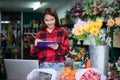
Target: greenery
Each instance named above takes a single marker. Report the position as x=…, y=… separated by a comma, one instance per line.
x=93, y=10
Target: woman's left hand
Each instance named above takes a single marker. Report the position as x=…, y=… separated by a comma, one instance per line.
x=54, y=46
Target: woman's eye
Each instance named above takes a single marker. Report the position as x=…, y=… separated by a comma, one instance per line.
x=52, y=19
x=49, y=20
x=46, y=19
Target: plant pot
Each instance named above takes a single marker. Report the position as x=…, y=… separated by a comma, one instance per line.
x=99, y=57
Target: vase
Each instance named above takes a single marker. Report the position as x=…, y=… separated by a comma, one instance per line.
x=99, y=56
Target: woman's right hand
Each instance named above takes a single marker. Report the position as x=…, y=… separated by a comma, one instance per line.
x=37, y=40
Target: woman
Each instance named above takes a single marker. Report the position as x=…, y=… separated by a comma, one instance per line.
x=54, y=55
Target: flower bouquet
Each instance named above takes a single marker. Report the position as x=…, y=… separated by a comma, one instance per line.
x=91, y=32
x=68, y=74
x=90, y=74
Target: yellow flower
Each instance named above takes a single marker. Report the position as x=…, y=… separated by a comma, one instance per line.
x=99, y=23
x=91, y=24
x=79, y=31
x=86, y=28
x=110, y=22
x=94, y=31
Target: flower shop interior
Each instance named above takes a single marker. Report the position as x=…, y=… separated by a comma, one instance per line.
x=94, y=36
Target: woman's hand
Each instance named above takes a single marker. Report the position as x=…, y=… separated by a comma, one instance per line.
x=37, y=40
x=54, y=46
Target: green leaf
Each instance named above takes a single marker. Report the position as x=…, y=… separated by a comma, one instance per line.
x=81, y=37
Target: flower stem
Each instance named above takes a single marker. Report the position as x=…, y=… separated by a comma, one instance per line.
x=97, y=40
x=89, y=39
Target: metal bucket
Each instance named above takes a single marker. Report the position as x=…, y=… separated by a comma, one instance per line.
x=99, y=57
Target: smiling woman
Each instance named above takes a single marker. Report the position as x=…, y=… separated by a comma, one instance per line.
x=52, y=56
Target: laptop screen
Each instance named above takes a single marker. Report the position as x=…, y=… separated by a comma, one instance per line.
x=18, y=69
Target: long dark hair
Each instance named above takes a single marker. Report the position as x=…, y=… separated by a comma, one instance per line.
x=52, y=12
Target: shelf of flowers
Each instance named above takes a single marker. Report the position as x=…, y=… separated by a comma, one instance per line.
x=80, y=56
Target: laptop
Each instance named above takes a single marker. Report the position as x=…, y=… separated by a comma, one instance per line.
x=18, y=69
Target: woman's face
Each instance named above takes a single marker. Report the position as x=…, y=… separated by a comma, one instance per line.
x=49, y=21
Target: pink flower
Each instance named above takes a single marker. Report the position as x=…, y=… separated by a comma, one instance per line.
x=95, y=9
x=100, y=9
x=95, y=12
x=78, y=8
x=73, y=14
x=77, y=14
x=90, y=75
x=113, y=74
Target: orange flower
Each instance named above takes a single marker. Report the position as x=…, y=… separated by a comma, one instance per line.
x=117, y=21
x=68, y=74
x=110, y=22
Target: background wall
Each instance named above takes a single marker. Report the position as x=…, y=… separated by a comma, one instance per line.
x=29, y=16
x=62, y=10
